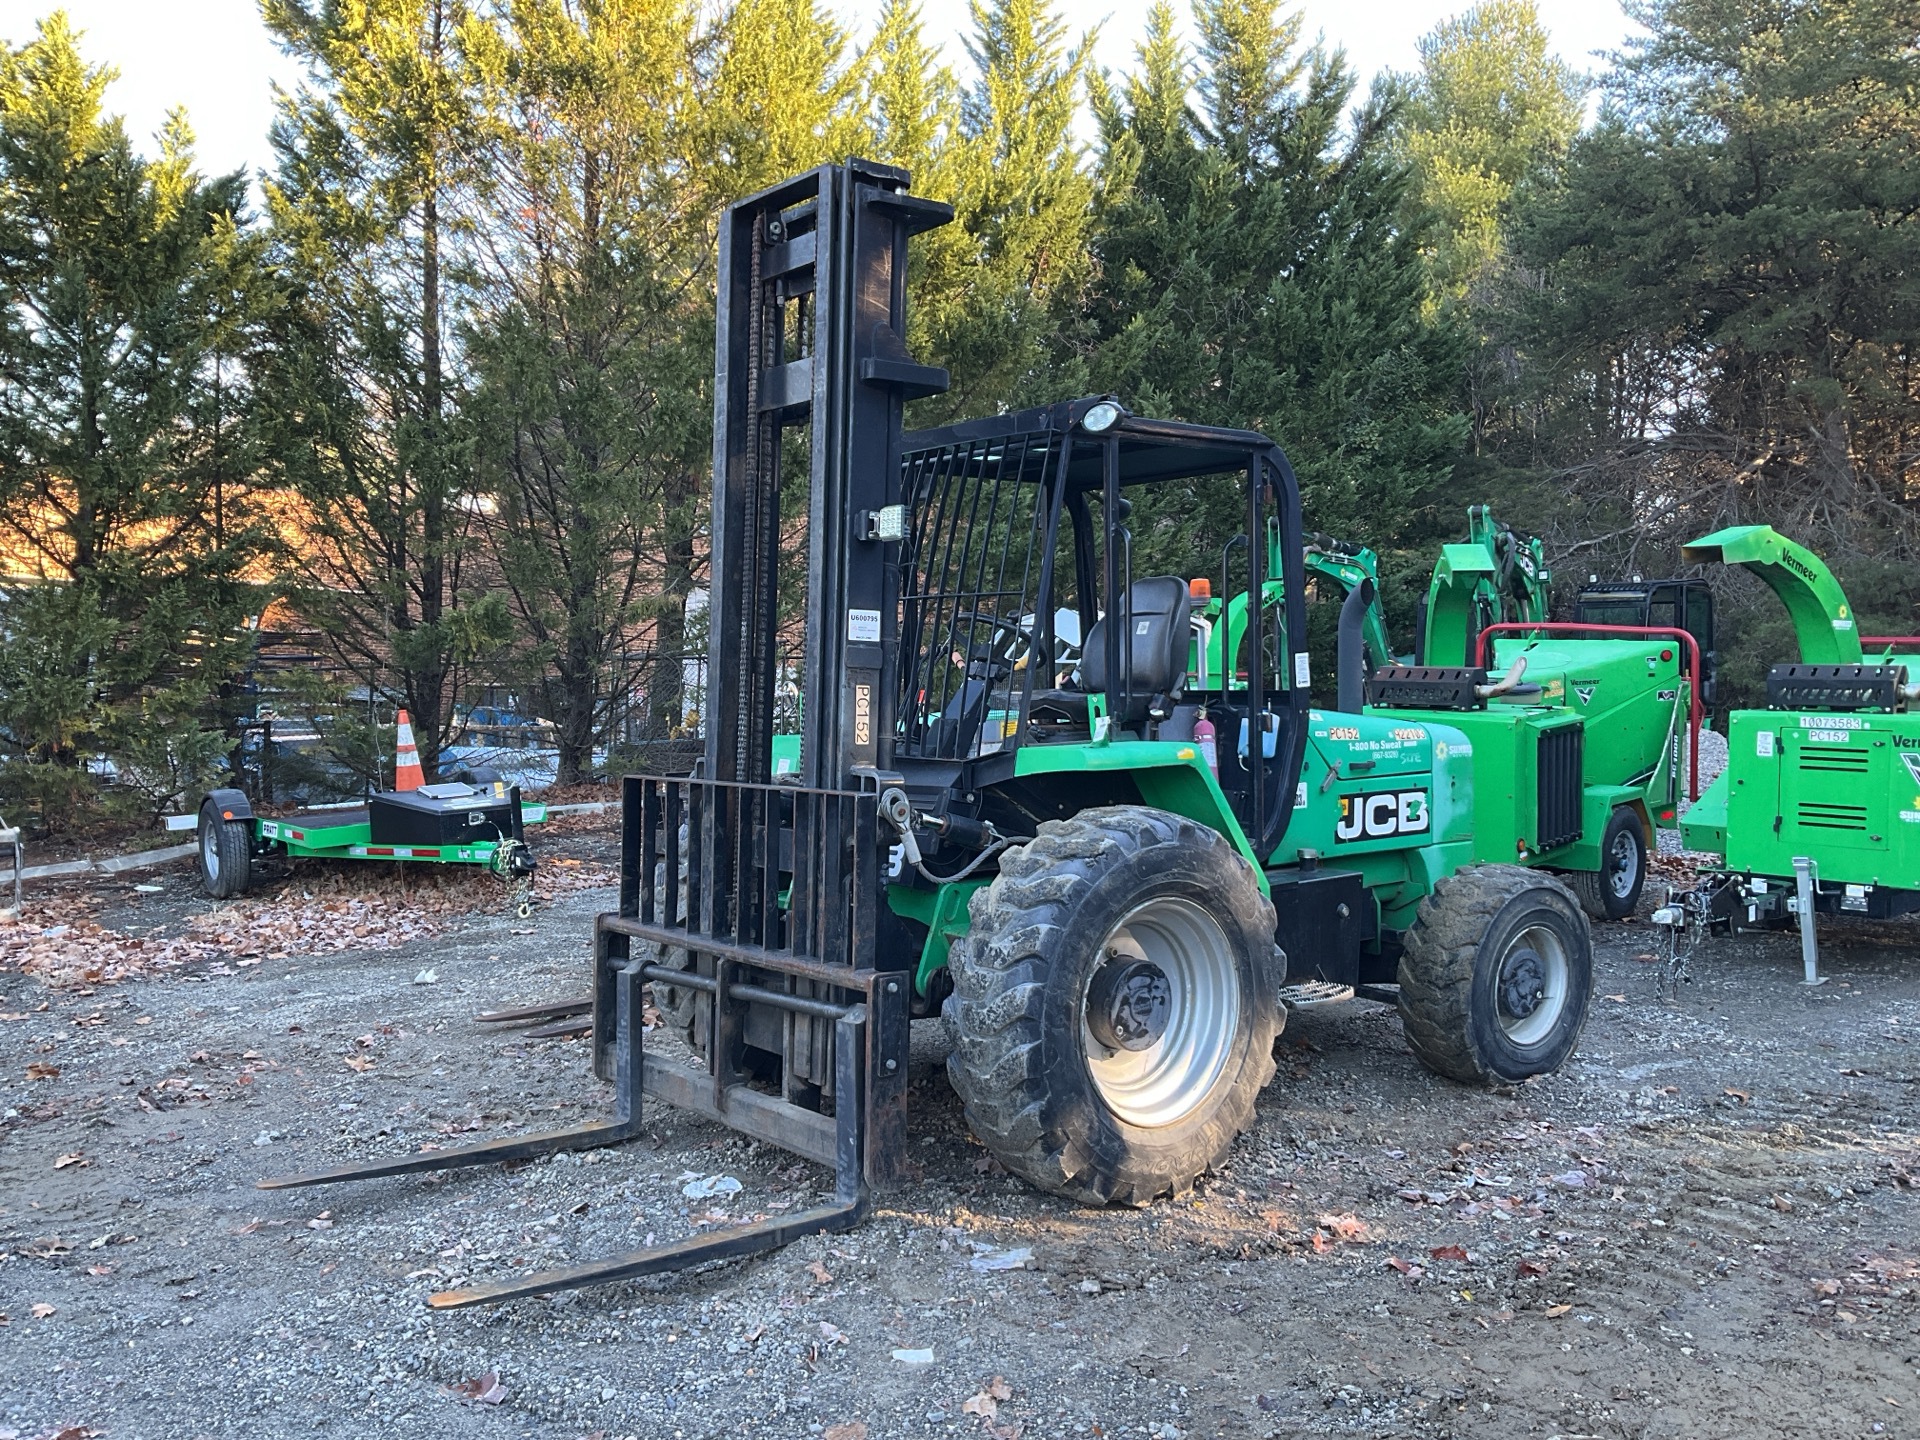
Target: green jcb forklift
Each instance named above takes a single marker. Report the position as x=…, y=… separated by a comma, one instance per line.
x=1104, y=920
x=1818, y=810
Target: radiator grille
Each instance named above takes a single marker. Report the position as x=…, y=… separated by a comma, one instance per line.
x=1557, y=763
x=1811, y=814
x=1835, y=761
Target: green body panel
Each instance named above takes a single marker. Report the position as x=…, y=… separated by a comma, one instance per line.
x=1704, y=826
x=1170, y=776
x=943, y=910
x=1390, y=798
x=786, y=755
x=355, y=842
x=1842, y=789
x=1633, y=705
x=1822, y=619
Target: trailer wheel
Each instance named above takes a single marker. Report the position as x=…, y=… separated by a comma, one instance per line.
x=1613, y=891
x=1495, y=975
x=226, y=854
x=1114, y=1005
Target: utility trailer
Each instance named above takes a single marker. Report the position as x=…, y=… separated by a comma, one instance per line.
x=478, y=822
x=1106, y=924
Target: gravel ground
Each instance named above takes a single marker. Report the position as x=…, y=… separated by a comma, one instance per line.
x=1706, y=1225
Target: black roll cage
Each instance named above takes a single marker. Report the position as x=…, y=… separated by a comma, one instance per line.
x=1133, y=451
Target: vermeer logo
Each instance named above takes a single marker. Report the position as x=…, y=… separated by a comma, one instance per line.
x=1376, y=816
x=1585, y=692
x=1913, y=767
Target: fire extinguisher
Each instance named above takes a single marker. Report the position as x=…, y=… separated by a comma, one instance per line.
x=1206, y=739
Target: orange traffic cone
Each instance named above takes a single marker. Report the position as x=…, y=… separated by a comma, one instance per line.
x=407, y=774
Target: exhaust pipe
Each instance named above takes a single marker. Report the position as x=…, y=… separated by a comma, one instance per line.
x=1510, y=681
x=1351, y=658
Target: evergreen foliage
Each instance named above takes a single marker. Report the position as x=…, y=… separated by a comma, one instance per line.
x=449, y=400
x=128, y=485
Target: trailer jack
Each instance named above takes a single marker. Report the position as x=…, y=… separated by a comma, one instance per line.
x=630, y=1070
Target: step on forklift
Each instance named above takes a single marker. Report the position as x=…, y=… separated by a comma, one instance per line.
x=1103, y=919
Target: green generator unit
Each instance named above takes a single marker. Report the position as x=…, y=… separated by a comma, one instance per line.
x=1818, y=810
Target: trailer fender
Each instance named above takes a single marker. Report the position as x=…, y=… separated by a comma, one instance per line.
x=231, y=804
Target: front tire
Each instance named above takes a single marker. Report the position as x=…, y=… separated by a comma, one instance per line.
x=225, y=854
x=1495, y=975
x=1613, y=891
x=1114, y=1005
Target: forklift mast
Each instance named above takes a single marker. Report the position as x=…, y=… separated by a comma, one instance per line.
x=810, y=336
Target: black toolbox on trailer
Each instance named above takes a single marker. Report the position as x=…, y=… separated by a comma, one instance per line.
x=444, y=814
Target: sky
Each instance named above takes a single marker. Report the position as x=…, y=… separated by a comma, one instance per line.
x=215, y=59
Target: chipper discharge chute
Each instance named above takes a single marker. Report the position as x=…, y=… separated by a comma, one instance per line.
x=1013, y=828
x=1818, y=810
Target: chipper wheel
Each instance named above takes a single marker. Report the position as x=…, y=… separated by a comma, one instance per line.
x=1495, y=975
x=1613, y=891
x=226, y=854
x=1114, y=1005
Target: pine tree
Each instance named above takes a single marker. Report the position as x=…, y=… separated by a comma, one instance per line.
x=1009, y=276
x=1255, y=271
x=1722, y=317
x=591, y=413
x=1489, y=115
x=374, y=154
x=126, y=457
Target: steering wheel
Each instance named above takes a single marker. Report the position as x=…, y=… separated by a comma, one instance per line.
x=1018, y=651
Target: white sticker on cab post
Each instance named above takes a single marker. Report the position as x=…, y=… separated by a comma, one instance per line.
x=1763, y=744
x=863, y=625
x=1302, y=671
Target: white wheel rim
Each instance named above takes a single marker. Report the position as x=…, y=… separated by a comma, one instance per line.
x=1535, y=964
x=1623, y=865
x=210, y=852
x=1168, y=1080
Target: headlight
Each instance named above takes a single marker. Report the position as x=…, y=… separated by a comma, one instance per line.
x=1101, y=417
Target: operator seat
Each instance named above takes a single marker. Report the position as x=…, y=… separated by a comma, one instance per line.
x=1157, y=610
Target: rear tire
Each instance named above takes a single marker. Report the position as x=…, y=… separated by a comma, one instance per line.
x=225, y=854
x=1114, y=1005
x=1613, y=891
x=1495, y=975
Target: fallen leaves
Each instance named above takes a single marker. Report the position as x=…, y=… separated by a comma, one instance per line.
x=43, y=1311
x=359, y=1063
x=1408, y=1268
x=40, y=1070
x=1448, y=1252
x=1344, y=1227
x=847, y=1430
x=1554, y=1312
x=487, y=1389
x=76, y=1158
x=987, y=1401
x=821, y=1275
x=1743, y=1096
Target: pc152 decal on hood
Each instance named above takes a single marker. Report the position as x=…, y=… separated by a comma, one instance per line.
x=1382, y=814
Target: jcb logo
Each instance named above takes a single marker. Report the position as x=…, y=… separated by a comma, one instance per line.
x=1388, y=812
